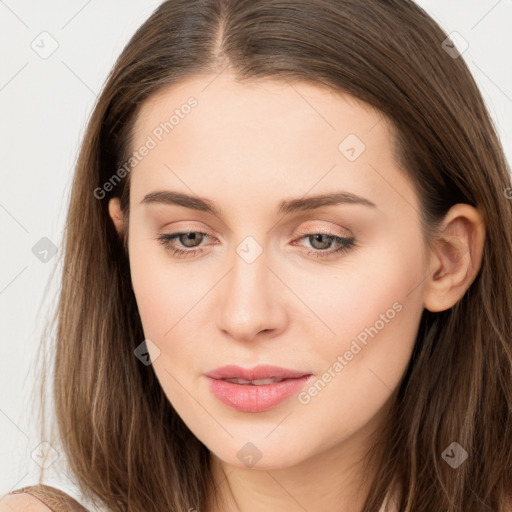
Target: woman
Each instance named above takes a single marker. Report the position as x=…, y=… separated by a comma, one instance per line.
x=291, y=228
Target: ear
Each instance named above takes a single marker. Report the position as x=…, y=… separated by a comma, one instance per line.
x=114, y=210
x=455, y=258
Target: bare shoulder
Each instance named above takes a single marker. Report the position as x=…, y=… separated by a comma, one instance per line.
x=22, y=502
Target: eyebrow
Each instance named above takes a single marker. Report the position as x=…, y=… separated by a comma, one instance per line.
x=285, y=207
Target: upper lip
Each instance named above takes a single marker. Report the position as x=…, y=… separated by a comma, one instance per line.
x=258, y=372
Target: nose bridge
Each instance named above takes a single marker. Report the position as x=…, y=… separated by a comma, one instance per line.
x=248, y=301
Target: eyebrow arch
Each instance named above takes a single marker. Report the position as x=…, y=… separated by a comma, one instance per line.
x=285, y=207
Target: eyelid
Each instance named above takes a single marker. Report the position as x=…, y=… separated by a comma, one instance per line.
x=309, y=229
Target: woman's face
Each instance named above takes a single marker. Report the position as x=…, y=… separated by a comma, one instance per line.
x=265, y=284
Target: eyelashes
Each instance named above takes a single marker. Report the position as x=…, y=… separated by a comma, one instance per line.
x=345, y=245
x=169, y=242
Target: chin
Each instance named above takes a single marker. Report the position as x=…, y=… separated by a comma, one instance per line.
x=261, y=454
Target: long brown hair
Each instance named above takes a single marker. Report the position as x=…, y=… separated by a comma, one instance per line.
x=124, y=441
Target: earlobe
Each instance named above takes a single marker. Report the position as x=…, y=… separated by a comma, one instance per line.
x=456, y=257
x=114, y=210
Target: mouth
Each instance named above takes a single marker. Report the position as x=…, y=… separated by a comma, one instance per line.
x=257, y=382
x=257, y=389
x=256, y=374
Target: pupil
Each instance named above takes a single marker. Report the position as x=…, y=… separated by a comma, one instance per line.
x=319, y=238
x=190, y=237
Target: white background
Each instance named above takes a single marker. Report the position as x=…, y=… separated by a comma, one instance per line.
x=45, y=104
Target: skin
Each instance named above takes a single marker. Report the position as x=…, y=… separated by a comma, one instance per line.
x=246, y=147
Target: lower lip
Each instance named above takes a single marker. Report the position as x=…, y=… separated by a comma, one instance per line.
x=249, y=398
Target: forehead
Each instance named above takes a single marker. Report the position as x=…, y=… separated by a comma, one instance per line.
x=261, y=106
x=216, y=133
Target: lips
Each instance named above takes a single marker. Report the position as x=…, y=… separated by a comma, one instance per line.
x=255, y=398
x=260, y=372
x=256, y=382
x=255, y=389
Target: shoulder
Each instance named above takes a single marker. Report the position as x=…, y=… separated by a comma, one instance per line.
x=39, y=498
x=22, y=502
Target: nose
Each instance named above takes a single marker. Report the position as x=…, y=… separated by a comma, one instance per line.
x=251, y=301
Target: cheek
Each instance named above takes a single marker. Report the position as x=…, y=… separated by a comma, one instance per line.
x=171, y=296
x=162, y=288
x=362, y=292
x=372, y=306
x=164, y=296
x=149, y=286
x=152, y=289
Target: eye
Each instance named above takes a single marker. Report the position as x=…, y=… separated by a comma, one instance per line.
x=189, y=239
x=322, y=241
x=319, y=243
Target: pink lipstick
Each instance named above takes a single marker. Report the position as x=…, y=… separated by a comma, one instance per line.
x=255, y=389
